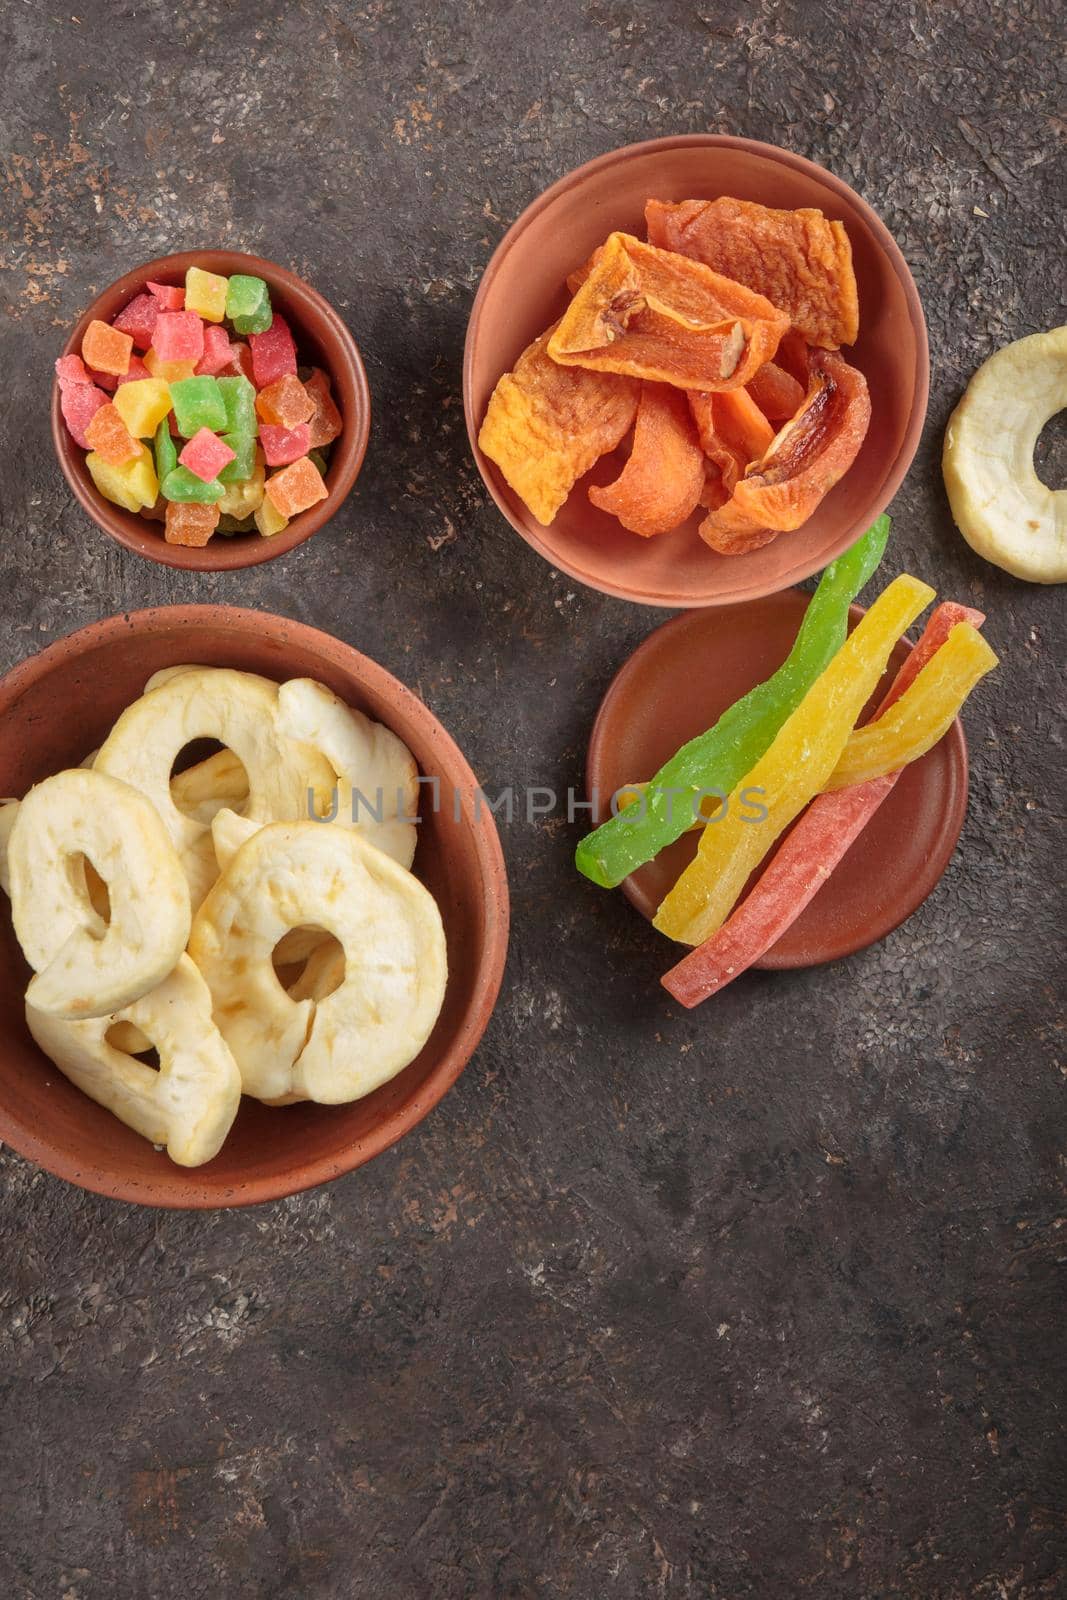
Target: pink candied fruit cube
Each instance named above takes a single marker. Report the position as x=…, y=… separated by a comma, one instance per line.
x=171, y=296
x=218, y=352
x=72, y=369
x=138, y=319
x=273, y=352
x=178, y=336
x=206, y=455
x=240, y=365
x=282, y=445
x=79, y=403
x=137, y=370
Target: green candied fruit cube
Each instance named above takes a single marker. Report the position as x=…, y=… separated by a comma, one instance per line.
x=248, y=304
x=243, y=464
x=318, y=461
x=166, y=451
x=181, y=484
x=239, y=398
x=198, y=404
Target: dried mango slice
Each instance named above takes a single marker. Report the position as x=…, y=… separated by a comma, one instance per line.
x=661, y=482
x=546, y=425
x=799, y=259
x=777, y=393
x=999, y=503
x=805, y=459
x=655, y=315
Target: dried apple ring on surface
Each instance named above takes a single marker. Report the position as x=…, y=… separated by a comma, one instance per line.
x=189, y=1103
x=311, y=874
x=239, y=710
x=86, y=965
x=999, y=503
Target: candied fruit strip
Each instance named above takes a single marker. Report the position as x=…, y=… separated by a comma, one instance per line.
x=659, y=487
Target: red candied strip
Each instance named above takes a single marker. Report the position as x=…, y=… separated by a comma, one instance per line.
x=807, y=855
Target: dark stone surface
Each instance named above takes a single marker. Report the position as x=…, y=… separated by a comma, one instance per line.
x=759, y=1301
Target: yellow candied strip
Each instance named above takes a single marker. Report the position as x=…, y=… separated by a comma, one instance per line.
x=924, y=712
x=792, y=770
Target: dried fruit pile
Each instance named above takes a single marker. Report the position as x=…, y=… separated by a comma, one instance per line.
x=714, y=347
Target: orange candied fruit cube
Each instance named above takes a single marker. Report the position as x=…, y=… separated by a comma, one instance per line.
x=295, y=487
x=326, y=419
x=109, y=436
x=106, y=349
x=285, y=403
x=190, y=523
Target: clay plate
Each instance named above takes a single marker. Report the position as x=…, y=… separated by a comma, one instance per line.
x=59, y=705
x=322, y=340
x=679, y=681
x=524, y=290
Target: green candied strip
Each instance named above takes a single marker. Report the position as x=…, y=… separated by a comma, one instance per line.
x=166, y=451
x=717, y=760
x=183, y=485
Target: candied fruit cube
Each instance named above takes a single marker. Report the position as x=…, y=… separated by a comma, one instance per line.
x=206, y=454
x=198, y=404
x=79, y=403
x=190, y=523
x=273, y=352
x=295, y=488
x=244, y=450
x=105, y=348
x=72, y=369
x=133, y=484
x=169, y=371
x=171, y=296
x=318, y=461
x=248, y=303
x=282, y=445
x=143, y=405
x=138, y=319
x=325, y=419
x=205, y=293
x=240, y=361
x=109, y=436
x=178, y=336
x=181, y=484
x=239, y=398
x=285, y=403
x=240, y=497
x=218, y=352
x=269, y=520
x=166, y=450
x=135, y=373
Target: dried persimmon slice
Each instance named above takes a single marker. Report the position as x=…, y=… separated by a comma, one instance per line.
x=800, y=260
x=660, y=485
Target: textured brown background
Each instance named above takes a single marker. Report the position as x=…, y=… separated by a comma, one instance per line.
x=760, y=1301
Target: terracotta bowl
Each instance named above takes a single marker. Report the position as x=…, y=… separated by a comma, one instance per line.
x=657, y=702
x=322, y=340
x=56, y=707
x=524, y=290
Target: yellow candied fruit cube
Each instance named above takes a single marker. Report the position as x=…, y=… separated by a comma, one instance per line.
x=168, y=371
x=142, y=405
x=133, y=485
x=241, y=499
x=269, y=520
x=205, y=293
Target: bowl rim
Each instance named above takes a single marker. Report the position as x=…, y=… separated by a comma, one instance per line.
x=175, y=1189
x=804, y=568
x=244, y=550
x=918, y=889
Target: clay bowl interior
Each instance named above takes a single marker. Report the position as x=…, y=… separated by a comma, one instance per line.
x=523, y=292
x=657, y=702
x=322, y=340
x=55, y=708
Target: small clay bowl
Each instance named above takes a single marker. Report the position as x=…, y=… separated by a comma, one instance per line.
x=322, y=340
x=523, y=291
x=60, y=704
x=680, y=681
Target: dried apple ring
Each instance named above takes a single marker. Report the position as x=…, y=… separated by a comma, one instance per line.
x=295, y=875
x=239, y=709
x=999, y=503
x=87, y=966
x=189, y=1103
